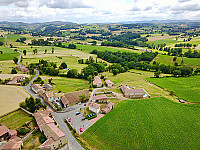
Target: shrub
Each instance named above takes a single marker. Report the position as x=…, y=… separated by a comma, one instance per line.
x=35, y=132
x=22, y=131
x=42, y=138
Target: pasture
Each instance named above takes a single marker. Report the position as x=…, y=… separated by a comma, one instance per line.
x=8, y=54
x=155, y=123
x=66, y=84
x=168, y=41
x=6, y=66
x=10, y=97
x=187, y=88
x=166, y=60
x=137, y=79
x=16, y=119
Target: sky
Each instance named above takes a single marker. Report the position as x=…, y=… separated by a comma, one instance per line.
x=98, y=11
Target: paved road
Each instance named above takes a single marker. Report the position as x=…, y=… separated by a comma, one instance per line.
x=92, y=94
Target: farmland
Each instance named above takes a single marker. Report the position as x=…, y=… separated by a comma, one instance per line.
x=147, y=124
x=187, y=88
x=10, y=98
x=66, y=84
x=8, y=54
x=16, y=119
x=168, y=41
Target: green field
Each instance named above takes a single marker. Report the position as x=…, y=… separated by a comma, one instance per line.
x=169, y=41
x=16, y=119
x=8, y=54
x=156, y=123
x=187, y=88
x=67, y=84
x=6, y=50
x=167, y=60
x=195, y=62
x=88, y=48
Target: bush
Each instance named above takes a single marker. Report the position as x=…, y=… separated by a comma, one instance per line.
x=35, y=132
x=90, y=89
x=42, y=138
x=22, y=131
x=13, y=71
x=74, y=130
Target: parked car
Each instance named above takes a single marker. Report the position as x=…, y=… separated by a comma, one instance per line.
x=81, y=129
x=69, y=120
x=77, y=113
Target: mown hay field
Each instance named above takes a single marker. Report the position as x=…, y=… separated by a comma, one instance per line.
x=10, y=97
x=155, y=123
x=187, y=88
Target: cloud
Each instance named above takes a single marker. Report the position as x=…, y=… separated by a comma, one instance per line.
x=188, y=7
x=135, y=9
x=66, y=4
x=182, y=1
x=18, y=3
x=148, y=8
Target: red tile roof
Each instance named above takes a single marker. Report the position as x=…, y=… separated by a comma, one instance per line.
x=36, y=86
x=125, y=89
x=12, y=132
x=109, y=82
x=97, y=80
x=48, y=142
x=14, y=143
x=72, y=98
x=99, y=97
x=94, y=105
x=3, y=130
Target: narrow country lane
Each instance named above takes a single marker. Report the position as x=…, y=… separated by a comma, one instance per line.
x=72, y=143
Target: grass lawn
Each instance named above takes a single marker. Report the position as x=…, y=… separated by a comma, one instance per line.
x=10, y=97
x=156, y=123
x=66, y=85
x=16, y=119
x=32, y=142
x=187, y=88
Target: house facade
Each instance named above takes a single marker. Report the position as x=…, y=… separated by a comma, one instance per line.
x=132, y=93
x=36, y=88
x=94, y=107
x=48, y=87
x=109, y=83
x=55, y=137
x=97, y=81
x=100, y=98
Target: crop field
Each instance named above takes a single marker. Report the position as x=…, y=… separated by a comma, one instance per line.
x=169, y=41
x=15, y=119
x=10, y=97
x=6, y=66
x=159, y=37
x=187, y=88
x=8, y=54
x=88, y=48
x=155, y=123
x=194, y=62
x=66, y=84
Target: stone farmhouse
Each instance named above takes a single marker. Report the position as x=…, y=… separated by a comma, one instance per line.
x=48, y=87
x=100, y=98
x=107, y=108
x=22, y=68
x=36, y=88
x=97, y=81
x=109, y=83
x=16, y=79
x=94, y=107
x=132, y=93
x=55, y=137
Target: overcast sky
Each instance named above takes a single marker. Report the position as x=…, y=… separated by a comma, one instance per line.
x=95, y=11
